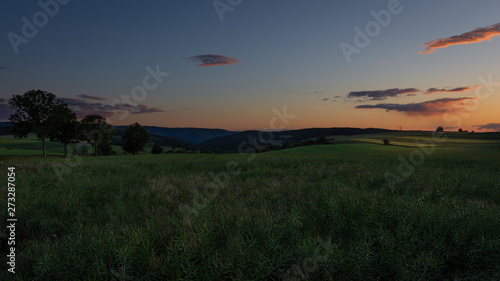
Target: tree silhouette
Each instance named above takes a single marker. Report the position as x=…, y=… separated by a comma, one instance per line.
x=66, y=131
x=36, y=110
x=95, y=130
x=322, y=140
x=135, y=138
x=439, y=129
x=157, y=149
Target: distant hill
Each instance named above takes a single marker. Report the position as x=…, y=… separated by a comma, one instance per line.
x=5, y=128
x=193, y=135
x=172, y=142
x=231, y=143
x=220, y=140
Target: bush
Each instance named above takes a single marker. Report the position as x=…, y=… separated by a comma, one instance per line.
x=322, y=140
x=105, y=149
x=307, y=142
x=157, y=149
x=206, y=150
x=386, y=142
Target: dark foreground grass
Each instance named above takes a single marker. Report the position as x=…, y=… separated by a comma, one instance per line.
x=280, y=216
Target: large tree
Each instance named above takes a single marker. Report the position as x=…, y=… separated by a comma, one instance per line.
x=66, y=130
x=135, y=138
x=35, y=111
x=95, y=130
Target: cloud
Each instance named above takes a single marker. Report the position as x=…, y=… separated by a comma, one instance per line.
x=84, y=96
x=428, y=108
x=490, y=126
x=455, y=90
x=3, y=67
x=213, y=60
x=383, y=94
x=83, y=108
x=315, y=93
x=476, y=36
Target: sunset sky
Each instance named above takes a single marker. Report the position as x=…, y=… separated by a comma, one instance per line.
x=228, y=63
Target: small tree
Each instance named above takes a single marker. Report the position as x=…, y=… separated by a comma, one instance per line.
x=386, y=142
x=135, y=138
x=157, y=149
x=35, y=111
x=439, y=129
x=322, y=140
x=460, y=130
x=95, y=130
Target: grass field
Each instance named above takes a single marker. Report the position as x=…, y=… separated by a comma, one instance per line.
x=323, y=212
x=32, y=146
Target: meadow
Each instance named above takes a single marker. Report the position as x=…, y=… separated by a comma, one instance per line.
x=320, y=212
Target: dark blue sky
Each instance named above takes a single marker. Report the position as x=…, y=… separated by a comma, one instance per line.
x=283, y=53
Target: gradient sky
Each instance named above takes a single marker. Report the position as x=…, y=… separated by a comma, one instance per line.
x=421, y=70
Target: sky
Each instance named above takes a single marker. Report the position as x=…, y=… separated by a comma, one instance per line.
x=240, y=64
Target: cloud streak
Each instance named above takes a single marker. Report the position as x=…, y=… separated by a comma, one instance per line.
x=454, y=90
x=213, y=60
x=476, y=36
x=3, y=67
x=83, y=108
x=428, y=108
x=383, y=94
x=89, y=97
x=490, y=126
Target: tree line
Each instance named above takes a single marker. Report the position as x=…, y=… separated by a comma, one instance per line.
x=42, y=113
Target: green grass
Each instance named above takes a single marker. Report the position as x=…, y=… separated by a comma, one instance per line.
x=321, y=212
x=33, y=146
x=416, y=139
x=29, y=146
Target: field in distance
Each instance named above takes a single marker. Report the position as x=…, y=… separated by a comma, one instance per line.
x=32, y=146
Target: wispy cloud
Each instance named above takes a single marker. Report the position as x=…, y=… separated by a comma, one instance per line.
x=89, y=97
x=83, y=108
x=476, y=36
x=315, y=93
x=383, y=94
x=454, y=90
x=3, y=67
x=213, y=60
x=428, y=108
x=490, y=126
